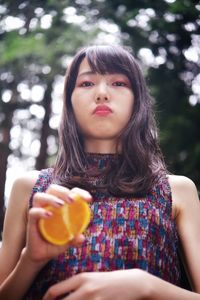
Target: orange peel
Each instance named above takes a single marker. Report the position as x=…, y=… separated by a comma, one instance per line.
x=66, y=221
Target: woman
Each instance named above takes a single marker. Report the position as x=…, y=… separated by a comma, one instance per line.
x=109, y=154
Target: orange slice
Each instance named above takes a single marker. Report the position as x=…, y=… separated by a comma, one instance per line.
x=66, y=222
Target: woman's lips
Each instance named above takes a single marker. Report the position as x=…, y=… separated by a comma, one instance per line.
x=102, y=110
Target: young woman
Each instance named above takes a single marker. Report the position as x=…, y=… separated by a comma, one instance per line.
x=142, y=216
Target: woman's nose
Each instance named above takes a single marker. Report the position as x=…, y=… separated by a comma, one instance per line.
x=102, y=92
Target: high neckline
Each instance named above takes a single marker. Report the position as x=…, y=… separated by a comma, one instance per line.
x=102, y=160
x=102, y=155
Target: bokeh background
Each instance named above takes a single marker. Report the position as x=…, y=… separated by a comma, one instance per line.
x=37, y=42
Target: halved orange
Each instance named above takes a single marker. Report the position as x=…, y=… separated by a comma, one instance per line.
x=66, y=222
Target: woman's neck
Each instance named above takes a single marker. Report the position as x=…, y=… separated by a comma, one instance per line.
x=101, y=146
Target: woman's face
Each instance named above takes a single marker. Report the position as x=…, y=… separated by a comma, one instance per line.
x=102, y=105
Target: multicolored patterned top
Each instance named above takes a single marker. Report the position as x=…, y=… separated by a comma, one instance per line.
x=124, y=233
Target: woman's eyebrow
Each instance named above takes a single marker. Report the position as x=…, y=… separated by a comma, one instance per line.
x=90, y=72
x=86, y=73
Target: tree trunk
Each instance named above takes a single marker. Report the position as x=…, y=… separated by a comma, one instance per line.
x=4, y=153
x=41, y=161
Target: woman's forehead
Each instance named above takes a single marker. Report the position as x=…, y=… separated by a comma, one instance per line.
x=84, y=66
x=86, y=69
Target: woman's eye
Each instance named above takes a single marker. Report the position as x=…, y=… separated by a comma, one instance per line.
x=119, y=83
x=86, y=84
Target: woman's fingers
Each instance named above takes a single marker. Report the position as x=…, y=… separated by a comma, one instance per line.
x=83, y=193
x=38, y=212
x=60, y=192
x=77, y=240
x=63, y=287
x=43, y=199
x=57, y=195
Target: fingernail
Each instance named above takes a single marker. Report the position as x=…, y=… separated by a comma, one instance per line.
x=86, y=194
x=48, y=214
x=83, y=194
x=71, y=196
x=59, y=202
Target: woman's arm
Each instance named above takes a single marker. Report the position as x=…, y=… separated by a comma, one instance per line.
x=186, y=211
x=15, y=274
x=20, y=279
x=131, y=284
x=186, y=206
x=24, y=252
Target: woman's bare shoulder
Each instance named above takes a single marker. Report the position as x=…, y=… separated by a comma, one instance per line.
x=26, y=180
x=16, y=211
x=182, y=185
x=183, y=182
x=25, y=183
x=22, y=188
x=14, y=229
x=184, y=192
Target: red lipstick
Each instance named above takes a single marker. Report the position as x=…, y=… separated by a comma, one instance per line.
x=102, y=110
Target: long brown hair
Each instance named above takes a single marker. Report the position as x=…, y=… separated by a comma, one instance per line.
x=141, y=162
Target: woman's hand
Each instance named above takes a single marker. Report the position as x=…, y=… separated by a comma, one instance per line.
x=37, y=249
x=118, y=285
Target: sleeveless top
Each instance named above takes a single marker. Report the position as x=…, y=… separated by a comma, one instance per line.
x=124, y=233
